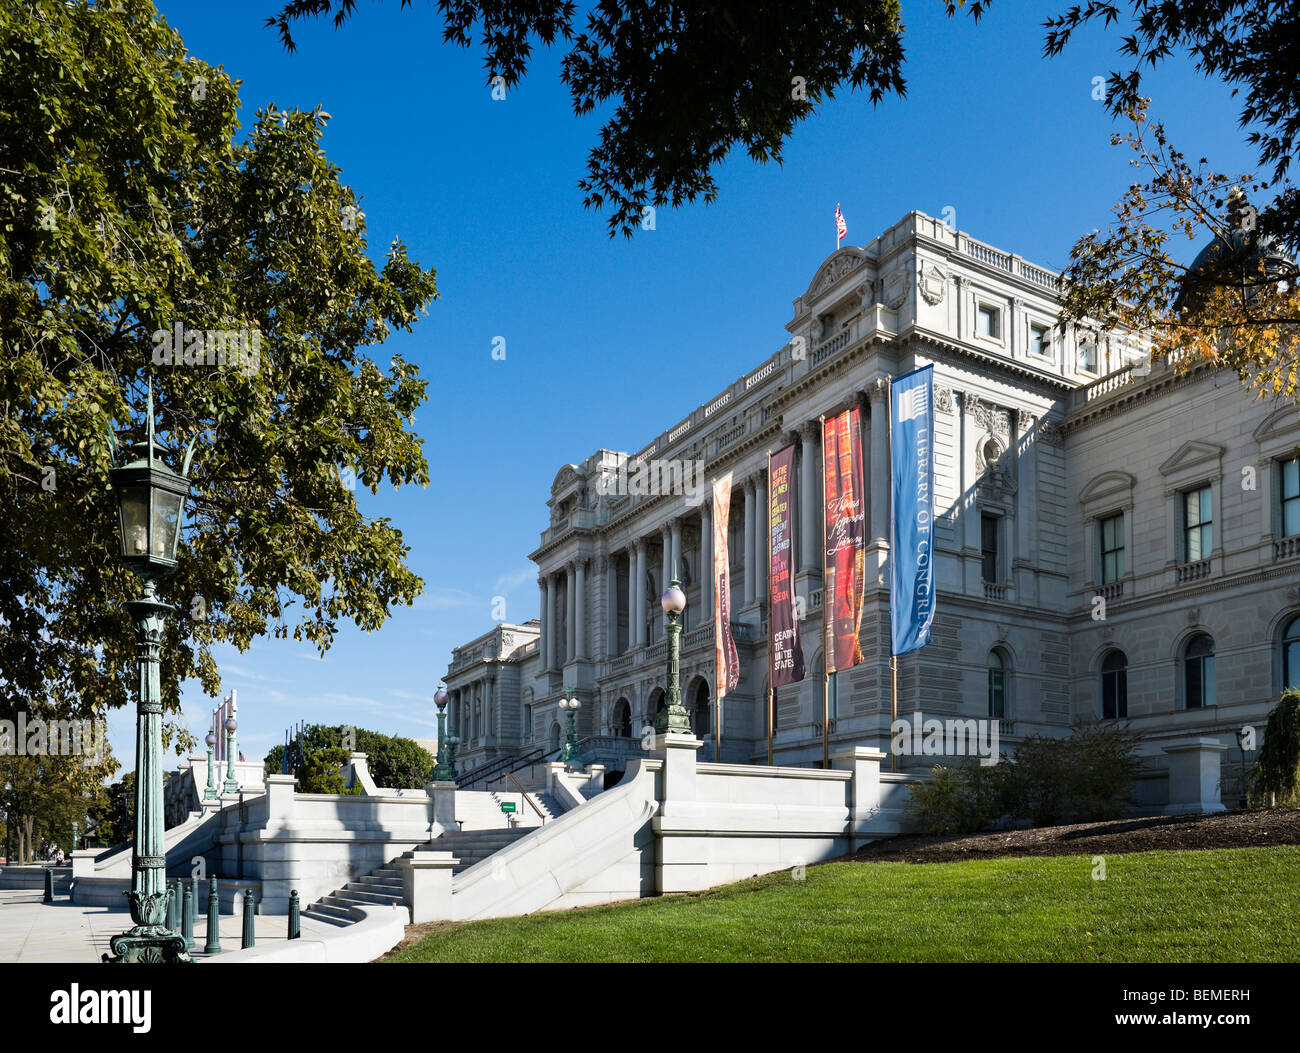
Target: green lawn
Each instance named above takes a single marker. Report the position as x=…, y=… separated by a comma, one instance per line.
x=1195, y=906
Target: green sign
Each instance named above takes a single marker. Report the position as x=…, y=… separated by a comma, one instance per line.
x=507, y=806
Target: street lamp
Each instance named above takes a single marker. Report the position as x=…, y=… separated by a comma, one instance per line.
x=1243, y=735
x=232, y=781
x=443, y=771
x=672, y=717
x=572, y=752
x=151, y=501
x=210, y=793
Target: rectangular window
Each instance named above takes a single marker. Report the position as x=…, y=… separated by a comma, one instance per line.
x=989, y=322
x=1291, y=497
x=1087, y=357
x=989, y=546
x=1040, y=342
x=1112, y=548
x=1198, y=529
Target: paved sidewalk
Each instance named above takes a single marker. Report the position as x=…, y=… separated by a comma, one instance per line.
x=32, y=931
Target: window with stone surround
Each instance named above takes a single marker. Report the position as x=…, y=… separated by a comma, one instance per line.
x=1114, y=686
x=1291, y=655
x=1290, y=491
x=1198, y=525
x=990, y=550
x=1111, y=532
x=1040, y=340
x=988, y=321
x=1198, y=672
x=997, y=685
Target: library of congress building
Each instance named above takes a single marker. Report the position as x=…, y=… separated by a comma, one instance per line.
x=1114, y=540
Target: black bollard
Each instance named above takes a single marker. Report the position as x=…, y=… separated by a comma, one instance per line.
x=49, y=885
x=194, y=905
x=249, y=938
x=213, y=944
x=187, y=917
x=295, y=919
x=173, y=913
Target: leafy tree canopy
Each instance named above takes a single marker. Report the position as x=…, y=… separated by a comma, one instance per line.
x=689, y=81
x=130, y=212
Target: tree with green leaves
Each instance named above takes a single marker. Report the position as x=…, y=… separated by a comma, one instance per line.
x=1237, y=304
x=688, y=82
x=142, y=240
x=393, y=761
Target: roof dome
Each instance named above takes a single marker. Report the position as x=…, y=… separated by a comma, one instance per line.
x=1234, y=256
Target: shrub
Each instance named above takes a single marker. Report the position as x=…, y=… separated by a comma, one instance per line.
x=321, y=773
x=1275, y=776
x=1088, y=776
x=393, y=761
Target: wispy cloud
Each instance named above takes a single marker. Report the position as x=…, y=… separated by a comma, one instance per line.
x=445, y=599
x=512, y=581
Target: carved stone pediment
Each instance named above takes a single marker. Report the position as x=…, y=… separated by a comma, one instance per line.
x=932, y=283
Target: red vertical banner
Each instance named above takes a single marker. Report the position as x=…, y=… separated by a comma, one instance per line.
x=728, y=674
x=846, y=537
x=787, y=650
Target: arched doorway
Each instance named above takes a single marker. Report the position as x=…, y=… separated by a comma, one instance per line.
x=652, y=705
x=621, y=724
x=700, y=708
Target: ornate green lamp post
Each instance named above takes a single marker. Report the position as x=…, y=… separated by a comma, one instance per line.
x=572, y=752
x=232, y=783
x=151, y=501
x=444, y=770
x=210, y=792
x=672, y=716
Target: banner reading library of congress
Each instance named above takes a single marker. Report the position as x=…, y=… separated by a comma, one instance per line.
x=911, y=594
x=728, y=675
x=787, y=650
x=846, y=538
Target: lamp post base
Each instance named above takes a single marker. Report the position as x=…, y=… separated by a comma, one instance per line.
x=155, y=944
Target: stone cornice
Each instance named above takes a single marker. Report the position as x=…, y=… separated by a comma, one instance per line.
x=1153, y=387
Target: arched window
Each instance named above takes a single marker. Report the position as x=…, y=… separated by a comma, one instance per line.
x=1114, y=686
x=997, y=677
x=700, y=710
x=555, y=737
x=652, y=706
x=623, y=718
x=1291, y=654
x=1198, y=672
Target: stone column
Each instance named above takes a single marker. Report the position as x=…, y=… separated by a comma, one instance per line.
x=750, y=579
x=809, y=496
x=570, y=616
x=580, y=615
x=631, y=598
x=761, y=539
x=611, y=606
x=676, y=562
x=548, y=622
x=640, y=609
x=706, y=561
x=878, y=480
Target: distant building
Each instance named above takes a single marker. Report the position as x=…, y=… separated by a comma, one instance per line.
x=1116, y=541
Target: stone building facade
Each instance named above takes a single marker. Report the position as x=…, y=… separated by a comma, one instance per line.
x=1102, y=551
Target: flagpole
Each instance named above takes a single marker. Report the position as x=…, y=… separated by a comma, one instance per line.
x=893, y=658
x=771, y=625
x=826, y=617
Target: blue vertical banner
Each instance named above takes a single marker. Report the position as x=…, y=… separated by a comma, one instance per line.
x=911, y=554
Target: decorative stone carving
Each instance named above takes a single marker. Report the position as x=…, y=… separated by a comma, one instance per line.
x=895, y=291
x=943, y=401
x=834, y=270
x=878, y=390
x=1049, y=431
x=1001, y=421
x=932, y=282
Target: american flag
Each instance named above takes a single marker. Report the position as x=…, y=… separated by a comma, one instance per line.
x=841, y=228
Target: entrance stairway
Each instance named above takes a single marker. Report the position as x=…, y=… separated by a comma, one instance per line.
x=384, y=886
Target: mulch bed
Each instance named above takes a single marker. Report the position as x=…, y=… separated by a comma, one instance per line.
x=1217, y=830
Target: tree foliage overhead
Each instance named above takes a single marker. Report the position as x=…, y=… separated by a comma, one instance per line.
x=128, y=206
x=690, y=81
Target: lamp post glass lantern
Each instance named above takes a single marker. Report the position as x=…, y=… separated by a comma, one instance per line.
x=150, y=503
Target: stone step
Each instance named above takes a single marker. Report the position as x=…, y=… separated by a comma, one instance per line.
x=378, y=881
x=328, y=919
x=370, y=895
x=343, y=914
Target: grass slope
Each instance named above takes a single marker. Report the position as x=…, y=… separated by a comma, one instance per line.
x=1230, y=905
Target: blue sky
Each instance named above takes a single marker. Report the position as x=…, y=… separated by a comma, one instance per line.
x=608, y=342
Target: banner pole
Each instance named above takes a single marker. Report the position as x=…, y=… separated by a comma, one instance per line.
x=827, y=639
x=771, y=625
x=717, y=628
x=893, y=659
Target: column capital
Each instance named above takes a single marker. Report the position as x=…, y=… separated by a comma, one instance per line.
x=808, y=430
x=878, y=389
